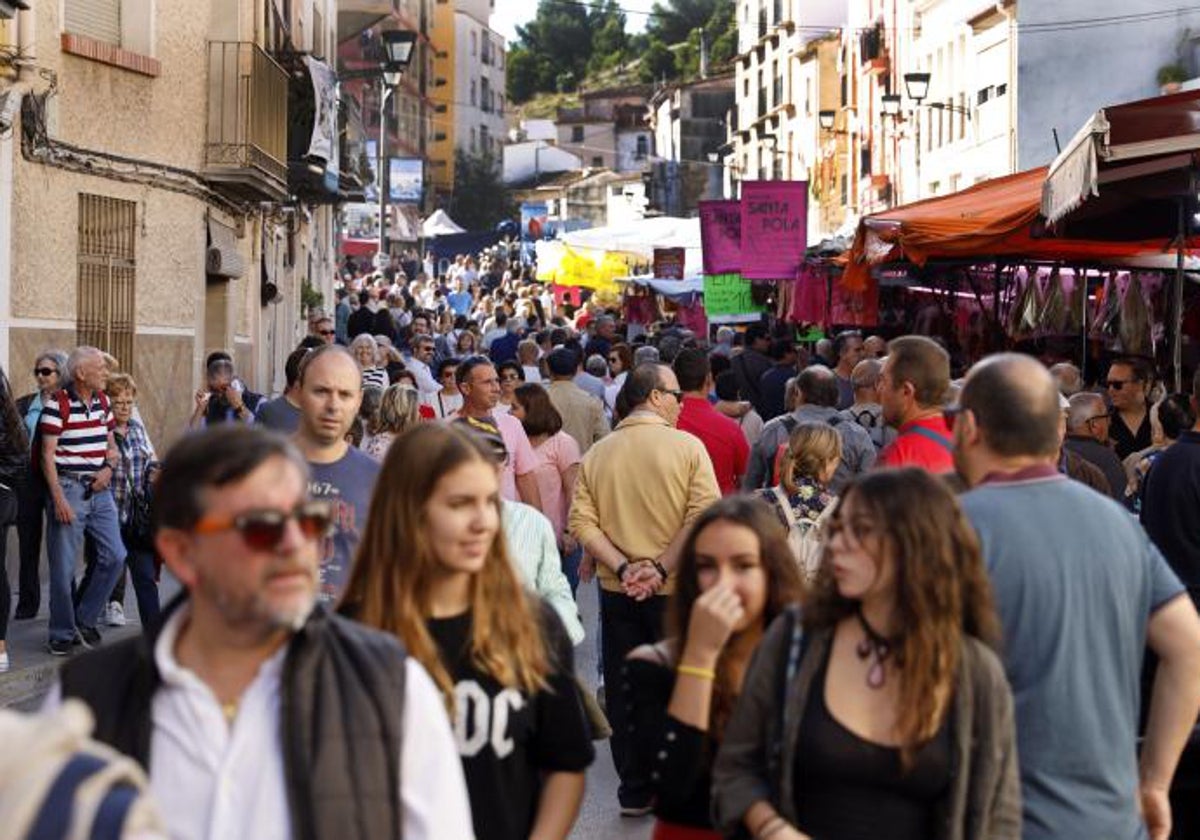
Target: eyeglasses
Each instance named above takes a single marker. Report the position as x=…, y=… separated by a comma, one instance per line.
x=122, y=403
x=678, y=395
x=326, y=332
x=263, y=530
x=45, y=371
x=1097, y=418
x=1118, y=384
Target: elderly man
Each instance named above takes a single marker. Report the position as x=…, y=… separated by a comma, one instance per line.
x=78, y=456
x=848, y=350
x=329, y=393
x=636, y=492
x=1068, y=378
x=816, y=396
x=582, y=414
x=256, y=712
x=866, y=410
x=1088, y=424
x=912, y=391
x=1081, y=593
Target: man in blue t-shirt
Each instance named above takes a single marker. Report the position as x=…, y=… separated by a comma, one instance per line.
x=1081, y=592
x=329, y=391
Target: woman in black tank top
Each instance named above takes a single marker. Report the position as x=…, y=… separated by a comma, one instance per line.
x=894, y=719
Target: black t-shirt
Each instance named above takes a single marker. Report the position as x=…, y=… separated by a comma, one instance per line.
x=1126, y=441
x=507, y=739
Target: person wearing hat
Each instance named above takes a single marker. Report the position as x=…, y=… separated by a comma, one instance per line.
x=582, y=414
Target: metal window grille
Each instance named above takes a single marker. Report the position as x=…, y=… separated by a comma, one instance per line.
x=107, y=269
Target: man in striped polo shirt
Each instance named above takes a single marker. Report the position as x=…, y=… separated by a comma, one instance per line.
x=76, y=462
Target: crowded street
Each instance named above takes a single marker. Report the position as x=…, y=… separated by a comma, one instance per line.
x=620, y=420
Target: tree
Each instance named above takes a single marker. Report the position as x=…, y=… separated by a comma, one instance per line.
x=480, y=200
x=672, y=24
x=657, y=63
x=610, y=44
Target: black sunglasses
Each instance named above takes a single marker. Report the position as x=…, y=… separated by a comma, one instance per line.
x=44, y=371
x=263, y=530
x=327, y=332
x=1118, y=384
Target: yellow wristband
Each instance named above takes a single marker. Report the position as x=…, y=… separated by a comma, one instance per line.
x=702, y=673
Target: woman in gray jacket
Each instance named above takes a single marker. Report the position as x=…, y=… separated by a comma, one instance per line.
x=882, y=711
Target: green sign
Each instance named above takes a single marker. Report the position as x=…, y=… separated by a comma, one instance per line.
x=728, y=294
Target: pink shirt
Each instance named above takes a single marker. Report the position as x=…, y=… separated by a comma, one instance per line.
x=521, y=457
x=558, y=454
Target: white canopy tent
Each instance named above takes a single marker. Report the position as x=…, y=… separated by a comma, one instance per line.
x=439, y=224
x=643, y=237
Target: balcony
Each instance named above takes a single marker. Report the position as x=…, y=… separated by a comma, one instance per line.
x=245, y=151
x=355, y=16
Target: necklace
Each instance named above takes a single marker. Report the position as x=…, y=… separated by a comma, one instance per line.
x=874, y=645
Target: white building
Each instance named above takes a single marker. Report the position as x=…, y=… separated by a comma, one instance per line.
x=479, y=80
x=528, y=161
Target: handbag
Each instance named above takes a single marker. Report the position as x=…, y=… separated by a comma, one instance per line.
x=140, y=528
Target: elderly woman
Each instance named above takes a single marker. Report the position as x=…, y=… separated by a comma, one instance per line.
x=131, y=484
x=49, y=372
x=398, y=411
x=365, y=350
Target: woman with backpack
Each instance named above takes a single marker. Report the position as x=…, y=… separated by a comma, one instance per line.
x=433, y=569
x=735, y=576
x=14, y=469
x=882, y=710
x=802, y=499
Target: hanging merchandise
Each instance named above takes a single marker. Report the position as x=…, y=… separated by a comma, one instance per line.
x=1076, y=301
x=1135, y=320
x=1054, y=305
x=809, y=297
x=1022, y=317
x=853, y=308
x=1108, y=309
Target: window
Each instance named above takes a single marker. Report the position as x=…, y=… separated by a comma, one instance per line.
x=99, y=19
x=128, y=24
x=473, y=97
x=318, y=47
x=485, y=95
x=485, y=139
x=473, y=144
x=1001, y=90
x=107, y=268
x=983, y=96
x=597, y=162
x=576, y=134
x=643, y=147
x=474, y=44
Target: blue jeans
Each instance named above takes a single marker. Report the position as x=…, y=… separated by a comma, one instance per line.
x=570, y=566
x=97, y=516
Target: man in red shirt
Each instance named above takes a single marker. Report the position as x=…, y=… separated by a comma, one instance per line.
x=722, y=438
x=912, y=390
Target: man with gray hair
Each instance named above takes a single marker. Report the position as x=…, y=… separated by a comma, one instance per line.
x=78, y=454
x=866, y=410
x=645, y=355
x=817, y=395
x=1067, y=378
x=1087, y=437
x=1081, y=593
x=724, y=345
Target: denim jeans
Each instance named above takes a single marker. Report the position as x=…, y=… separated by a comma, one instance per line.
x=570, y=566
x=140, y=563
x=97, y=516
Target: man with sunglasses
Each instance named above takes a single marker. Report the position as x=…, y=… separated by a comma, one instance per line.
x=322, y=327
x=329, y=393
x=256, y=712
x=1081, y=593
x=1128, y=388
x=1088, y=424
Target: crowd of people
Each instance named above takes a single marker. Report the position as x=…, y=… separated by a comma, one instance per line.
x=844, y=590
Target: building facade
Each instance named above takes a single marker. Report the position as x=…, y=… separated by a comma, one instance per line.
x=609, y=130
x=689, y=122
x=148, y=204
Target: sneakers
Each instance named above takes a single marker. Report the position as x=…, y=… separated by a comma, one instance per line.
x=89, y=637
x=59, y=648
x=638, y=810
x=114, y=614
x=4, y=663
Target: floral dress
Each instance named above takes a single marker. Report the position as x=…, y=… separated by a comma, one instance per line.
x=810, y=500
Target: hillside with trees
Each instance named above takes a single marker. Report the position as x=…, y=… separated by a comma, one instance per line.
x=575, y=44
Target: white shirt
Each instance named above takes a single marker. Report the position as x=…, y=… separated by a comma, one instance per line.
x=213, y=781
x=426, y=384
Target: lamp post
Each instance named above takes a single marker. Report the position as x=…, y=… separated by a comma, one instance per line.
x=398, y=48
x=917, y=85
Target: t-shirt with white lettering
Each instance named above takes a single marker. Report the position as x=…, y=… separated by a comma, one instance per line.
x=346, y=483
x=507, y=739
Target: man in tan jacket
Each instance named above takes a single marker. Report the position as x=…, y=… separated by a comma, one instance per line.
x=582, y=414
x=637, y=491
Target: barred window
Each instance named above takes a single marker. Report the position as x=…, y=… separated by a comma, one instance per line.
x=107, y=268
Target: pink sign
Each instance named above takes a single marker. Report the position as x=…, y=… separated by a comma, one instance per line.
x=721, y=236
x=774, y=228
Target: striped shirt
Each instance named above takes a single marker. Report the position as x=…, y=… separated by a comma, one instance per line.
x=83, y=438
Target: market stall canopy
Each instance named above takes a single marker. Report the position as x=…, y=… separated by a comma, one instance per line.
x=1143, y=149
x=440, y=224
x=993, y=220
x=641, y=238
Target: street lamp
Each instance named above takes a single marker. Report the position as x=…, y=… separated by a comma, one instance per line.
x=398, y=46
x=826, y=119
x=917, y=85
x=891, y=104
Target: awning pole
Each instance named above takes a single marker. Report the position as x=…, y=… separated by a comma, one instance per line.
x=1177, y=308
x=1083, y=320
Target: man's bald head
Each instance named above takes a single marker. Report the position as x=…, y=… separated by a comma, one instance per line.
x=1015, y=403
x=818, y=385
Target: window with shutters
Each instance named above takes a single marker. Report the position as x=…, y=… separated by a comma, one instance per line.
x=107, y=269
x=99, y=19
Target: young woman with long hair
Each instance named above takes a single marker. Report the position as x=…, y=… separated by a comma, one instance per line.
x=735, y=575
x=883, y=711
x=433, y=569
x=559, y=458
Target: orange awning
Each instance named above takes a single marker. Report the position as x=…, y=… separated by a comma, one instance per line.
x=996, y=219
